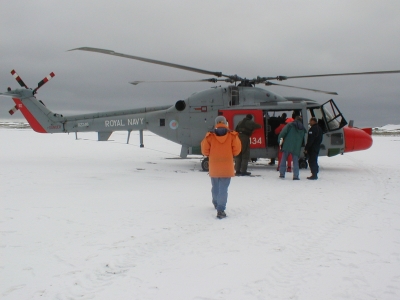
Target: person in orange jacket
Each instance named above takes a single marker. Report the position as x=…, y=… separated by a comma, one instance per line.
x=221, y=145
x=277, y=132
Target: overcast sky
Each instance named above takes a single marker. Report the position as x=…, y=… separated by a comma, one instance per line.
x=266, y=38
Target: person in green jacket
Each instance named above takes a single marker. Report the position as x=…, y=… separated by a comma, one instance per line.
x=293, y=136
x=245, y=129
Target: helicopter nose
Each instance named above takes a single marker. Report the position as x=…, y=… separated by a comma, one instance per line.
x=357, y=139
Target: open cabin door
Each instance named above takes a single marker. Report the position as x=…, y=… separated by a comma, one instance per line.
x=257, y=139
x=333, y=118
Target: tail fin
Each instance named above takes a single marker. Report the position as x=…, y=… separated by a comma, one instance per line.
x=35, y=112
x=38, y=116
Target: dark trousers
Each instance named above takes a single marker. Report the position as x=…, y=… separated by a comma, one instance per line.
x=242, y=160
x=313, y=162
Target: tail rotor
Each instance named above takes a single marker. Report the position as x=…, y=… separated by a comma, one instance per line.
x=22, y=84
x=40, y=84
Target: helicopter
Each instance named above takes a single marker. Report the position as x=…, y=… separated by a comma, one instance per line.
x=187, y=121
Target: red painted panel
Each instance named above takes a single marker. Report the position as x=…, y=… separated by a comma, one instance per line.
x=29, y=117
x=257, y=139
x=367, y=130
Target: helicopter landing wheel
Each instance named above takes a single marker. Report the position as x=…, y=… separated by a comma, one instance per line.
x=204, y=164
x=303, y=163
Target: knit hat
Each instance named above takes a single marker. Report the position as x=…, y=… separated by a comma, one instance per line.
x=220, y=119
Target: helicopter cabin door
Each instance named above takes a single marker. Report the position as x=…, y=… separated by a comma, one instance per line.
x=257, y=139
x=333, y=117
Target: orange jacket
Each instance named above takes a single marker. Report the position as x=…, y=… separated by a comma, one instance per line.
x=221, y=150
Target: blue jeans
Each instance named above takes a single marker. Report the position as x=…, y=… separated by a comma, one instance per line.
x=282, y=167
x=219, y=191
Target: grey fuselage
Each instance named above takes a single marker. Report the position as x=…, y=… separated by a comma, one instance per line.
x=185, y=123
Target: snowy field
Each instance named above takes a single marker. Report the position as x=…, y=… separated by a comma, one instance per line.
x=82, y=219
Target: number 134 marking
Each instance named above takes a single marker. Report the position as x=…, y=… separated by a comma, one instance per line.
x=255, y=140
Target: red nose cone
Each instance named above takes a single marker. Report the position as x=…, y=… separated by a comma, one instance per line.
x=356, y=139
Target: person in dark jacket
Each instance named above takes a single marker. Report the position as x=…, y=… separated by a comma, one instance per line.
x=293, y=136
x=312, y=147
x=245, y=129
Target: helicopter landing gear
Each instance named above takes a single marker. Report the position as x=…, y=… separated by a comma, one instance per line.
x=303, y=163
x=204, y=164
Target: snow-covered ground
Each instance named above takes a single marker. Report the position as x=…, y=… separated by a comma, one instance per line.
x=82, y=219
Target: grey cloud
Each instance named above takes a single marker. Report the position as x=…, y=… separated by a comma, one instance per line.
x=259, y=38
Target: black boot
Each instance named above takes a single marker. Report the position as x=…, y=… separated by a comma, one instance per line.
x=221, y=214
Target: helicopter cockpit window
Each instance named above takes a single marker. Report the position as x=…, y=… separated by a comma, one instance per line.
x=333, y=117
x=332, y=122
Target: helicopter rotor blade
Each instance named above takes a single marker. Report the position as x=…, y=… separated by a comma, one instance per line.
x=152, y=61
x=43, y=81
x=229, y=78
x=339, y=74
x=18, y=79
x=267, y=83
x=171, y=81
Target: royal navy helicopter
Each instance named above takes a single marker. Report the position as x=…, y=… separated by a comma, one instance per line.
x=187, y=121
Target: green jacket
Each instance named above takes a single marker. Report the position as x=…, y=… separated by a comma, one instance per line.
x=247, y=126
x=293, y=137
